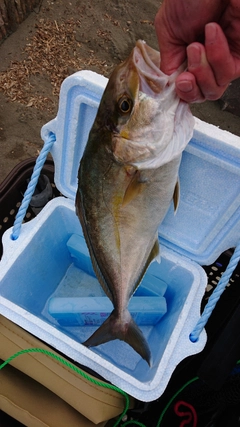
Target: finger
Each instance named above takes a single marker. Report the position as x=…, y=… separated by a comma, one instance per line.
x=172, y=58
x=218, y=54
x=199, y=66
x=187, y=88
x=173, y=53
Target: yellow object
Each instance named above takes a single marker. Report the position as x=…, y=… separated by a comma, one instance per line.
x=95, y=403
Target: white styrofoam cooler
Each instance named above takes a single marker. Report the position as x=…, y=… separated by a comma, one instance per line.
x=38, y=263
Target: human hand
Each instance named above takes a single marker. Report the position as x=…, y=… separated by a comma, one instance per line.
x=206, y=33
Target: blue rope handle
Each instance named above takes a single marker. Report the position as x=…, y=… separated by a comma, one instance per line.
x=32, y=185
x=194, y=336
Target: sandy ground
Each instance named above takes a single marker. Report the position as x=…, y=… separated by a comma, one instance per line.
x=57, y=39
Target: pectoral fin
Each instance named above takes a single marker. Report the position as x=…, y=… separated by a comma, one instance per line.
x=176, y=196
x=135, y=186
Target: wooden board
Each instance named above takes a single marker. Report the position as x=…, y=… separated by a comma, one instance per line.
x=12, y=13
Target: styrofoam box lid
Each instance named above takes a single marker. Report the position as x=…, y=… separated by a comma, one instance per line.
x=208, y=218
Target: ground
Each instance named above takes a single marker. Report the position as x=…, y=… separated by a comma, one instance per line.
x=57, y=39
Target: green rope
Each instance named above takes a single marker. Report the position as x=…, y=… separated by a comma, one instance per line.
x=174, y=397
x=131, y=422
x=75, y=369
x=101, y=384
x=98, y=383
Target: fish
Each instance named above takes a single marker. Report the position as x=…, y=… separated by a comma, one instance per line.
x=127, y=179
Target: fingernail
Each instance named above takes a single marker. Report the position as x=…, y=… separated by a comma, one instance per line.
x=184, y=86
x=210, y=32
x=194, y=55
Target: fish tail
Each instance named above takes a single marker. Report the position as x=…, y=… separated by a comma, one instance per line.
x=125, y=329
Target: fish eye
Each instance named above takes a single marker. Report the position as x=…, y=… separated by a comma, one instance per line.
x=125, y=104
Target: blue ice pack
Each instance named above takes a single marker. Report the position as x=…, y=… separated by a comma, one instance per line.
x=147, y=306
x=93, y=311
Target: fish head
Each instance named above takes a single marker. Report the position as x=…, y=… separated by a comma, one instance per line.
x=149, y=124
x=118, y=101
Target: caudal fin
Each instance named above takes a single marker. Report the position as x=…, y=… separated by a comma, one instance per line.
x=124, y=329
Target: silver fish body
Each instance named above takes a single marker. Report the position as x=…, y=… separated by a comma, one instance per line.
x=125, y=189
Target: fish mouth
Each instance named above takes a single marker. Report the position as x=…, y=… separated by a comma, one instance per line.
x=152, y=81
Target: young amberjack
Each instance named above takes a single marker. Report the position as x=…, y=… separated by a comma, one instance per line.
x=128, y=176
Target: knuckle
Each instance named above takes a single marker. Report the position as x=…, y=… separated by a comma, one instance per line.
x=213, y=96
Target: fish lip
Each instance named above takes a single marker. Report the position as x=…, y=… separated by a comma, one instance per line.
x=146, y=52
x=147, y=62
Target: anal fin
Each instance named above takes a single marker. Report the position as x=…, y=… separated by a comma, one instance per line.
x=176, y=196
